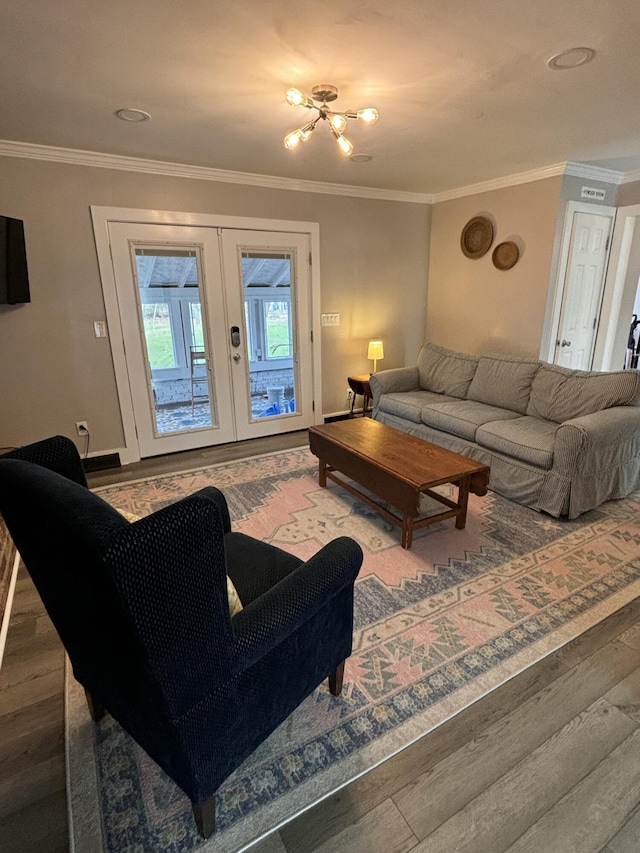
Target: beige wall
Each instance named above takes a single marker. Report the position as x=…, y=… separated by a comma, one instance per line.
x=629, y=194
x=471, y=305
x=374, y=261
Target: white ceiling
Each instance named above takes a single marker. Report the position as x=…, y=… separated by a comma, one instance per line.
x=463, y=89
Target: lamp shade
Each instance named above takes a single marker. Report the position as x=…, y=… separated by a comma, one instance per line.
x=375, y=350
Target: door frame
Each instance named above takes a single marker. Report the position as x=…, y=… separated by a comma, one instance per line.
x=556, y=295
x=102, y=216
x=620, y=289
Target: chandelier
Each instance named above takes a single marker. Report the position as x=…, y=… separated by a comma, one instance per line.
x=321, y=96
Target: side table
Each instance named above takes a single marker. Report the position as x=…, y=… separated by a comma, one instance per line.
x=360, y=385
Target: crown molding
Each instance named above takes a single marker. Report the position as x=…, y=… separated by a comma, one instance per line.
x=95, y=159
x=580, y=170
x=594, y=173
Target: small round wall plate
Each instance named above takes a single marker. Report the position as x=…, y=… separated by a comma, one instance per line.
x=505, y=255
x=476, y=237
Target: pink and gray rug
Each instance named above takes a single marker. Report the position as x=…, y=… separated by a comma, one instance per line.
x=436, y=628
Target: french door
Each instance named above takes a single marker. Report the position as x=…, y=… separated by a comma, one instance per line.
x=216, y=328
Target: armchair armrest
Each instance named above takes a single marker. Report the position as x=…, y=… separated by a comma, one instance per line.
x=215, y=495
x=271, y=618
x=394, y=380
x=599, y=441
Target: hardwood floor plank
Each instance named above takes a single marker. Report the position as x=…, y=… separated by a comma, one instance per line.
x=626, y=695
x=627, y=839
x=589, y=814
x=502, y=813
x=382, y=830
x=33, y=784
x=628, y=617
x=25, y=721
x=33, y=830
x=632, y=636
x=271, y=844
x=32, y=690
x=440, y=792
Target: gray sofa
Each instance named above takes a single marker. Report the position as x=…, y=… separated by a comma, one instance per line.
x=558, y=440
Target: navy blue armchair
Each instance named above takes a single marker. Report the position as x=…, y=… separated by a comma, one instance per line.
x=142, y=611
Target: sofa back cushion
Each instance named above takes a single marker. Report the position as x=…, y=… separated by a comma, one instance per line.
x=503, y=381
x=445, y=371
x=559, y=394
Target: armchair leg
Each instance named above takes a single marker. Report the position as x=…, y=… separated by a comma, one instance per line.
x=335, y=680
x=205, y=817
x=96, y=708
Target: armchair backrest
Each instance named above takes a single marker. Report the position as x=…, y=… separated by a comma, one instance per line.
x=141, y=608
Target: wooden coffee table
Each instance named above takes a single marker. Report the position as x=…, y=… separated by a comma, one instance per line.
x=396, y=467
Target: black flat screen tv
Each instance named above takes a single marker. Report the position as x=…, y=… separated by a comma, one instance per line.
x=14, y=277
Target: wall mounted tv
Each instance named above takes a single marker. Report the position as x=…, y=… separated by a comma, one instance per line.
x=14, y=277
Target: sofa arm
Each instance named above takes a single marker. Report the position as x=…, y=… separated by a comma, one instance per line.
x=394, y=380
x=597, y=442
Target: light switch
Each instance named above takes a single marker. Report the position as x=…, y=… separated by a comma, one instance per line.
x=330, y=319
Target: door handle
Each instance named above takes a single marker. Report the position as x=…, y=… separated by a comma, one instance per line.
x=235, y=336
x=236, y=357
x=565, y=343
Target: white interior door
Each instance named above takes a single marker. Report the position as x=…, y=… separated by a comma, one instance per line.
x=582, y=296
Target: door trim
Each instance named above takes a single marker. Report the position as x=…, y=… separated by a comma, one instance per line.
x=556, y=295
x=102, y=216
x=619, y=289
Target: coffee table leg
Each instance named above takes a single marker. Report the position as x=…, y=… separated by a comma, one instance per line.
x=322, y=476
x=407, y=532
x=463, y=501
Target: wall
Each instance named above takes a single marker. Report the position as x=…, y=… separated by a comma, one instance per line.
x=373, y=260
x=629, y=194
x=471, y=305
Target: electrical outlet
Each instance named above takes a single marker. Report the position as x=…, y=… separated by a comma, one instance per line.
x=82, y=428
x=349, y=396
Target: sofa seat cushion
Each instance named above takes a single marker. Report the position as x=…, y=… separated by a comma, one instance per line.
x=560, y=394
x=462, y=417
x=503, y=381
x=409, y=404
x=445, y=371
x=529, y=439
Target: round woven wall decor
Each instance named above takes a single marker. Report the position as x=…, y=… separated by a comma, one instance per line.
x=476, y=237
x=505, y=255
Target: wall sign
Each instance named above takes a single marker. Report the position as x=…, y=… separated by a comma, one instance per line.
x=593, y=193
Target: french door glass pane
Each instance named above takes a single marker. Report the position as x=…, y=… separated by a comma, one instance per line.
x=176, y=349
x=268, y=284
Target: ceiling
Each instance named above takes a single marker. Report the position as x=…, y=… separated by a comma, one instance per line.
x=463, y=89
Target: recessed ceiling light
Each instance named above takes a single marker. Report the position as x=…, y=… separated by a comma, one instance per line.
x=571, y=58
x=127, y=114
x=360, y=158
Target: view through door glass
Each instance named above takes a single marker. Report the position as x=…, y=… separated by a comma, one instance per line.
x=176, y=347
x=269, y=325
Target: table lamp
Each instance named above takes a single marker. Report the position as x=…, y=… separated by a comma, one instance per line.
x=375, y=351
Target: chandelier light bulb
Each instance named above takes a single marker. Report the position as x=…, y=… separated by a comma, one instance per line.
x=368, y=115
x=338, y=121
x=344, y=145
x=295, y=98
x=293, y=139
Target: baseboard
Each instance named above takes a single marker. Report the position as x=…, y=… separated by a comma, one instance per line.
x=100, y=463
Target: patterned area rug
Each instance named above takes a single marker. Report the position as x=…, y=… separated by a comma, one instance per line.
x=437, y=627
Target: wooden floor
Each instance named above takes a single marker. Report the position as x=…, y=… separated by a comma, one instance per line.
x=548, y=763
